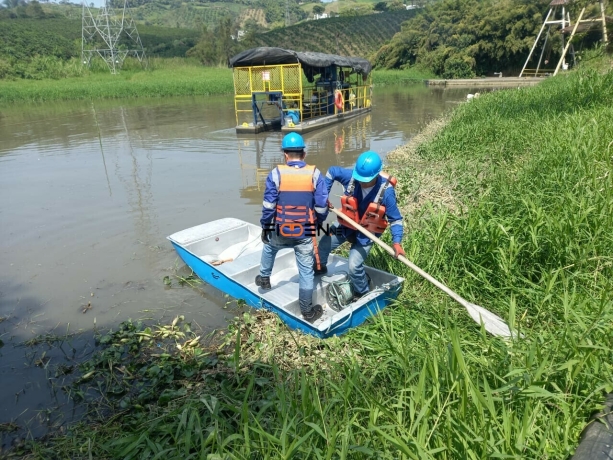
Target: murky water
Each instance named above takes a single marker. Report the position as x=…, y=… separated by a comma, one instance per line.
x=88, y=193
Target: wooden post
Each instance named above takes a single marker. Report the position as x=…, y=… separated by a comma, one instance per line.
x=569, y=41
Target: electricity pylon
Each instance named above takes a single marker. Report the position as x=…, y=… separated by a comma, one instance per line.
x=111, y=35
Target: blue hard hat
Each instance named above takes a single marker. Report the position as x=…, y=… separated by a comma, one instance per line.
x=367, y=167
x=293, y=141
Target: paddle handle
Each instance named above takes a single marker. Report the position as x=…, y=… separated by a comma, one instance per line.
x=402, y=259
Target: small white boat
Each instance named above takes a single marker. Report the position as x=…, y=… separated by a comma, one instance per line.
x=226, y=254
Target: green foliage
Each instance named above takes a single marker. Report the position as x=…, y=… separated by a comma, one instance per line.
x=22, y=9
x=216, y=47
x=319, y=9
x=27, y=37
x=380, y=6
x=275, y=10
x=542, y=195
x=459, y=39
x=50, y=47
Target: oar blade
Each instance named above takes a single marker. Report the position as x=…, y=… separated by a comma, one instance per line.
x=492, y=323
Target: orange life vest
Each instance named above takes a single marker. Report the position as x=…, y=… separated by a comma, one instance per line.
x=294, y=214
x=374, y=219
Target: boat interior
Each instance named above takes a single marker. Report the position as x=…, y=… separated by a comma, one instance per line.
x=234, y=247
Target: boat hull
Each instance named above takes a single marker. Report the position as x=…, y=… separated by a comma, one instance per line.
x=236, y=278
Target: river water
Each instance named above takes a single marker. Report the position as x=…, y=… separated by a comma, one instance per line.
x=88, y=194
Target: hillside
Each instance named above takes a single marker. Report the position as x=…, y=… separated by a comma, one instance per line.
x=350, y=36
x=22, y=38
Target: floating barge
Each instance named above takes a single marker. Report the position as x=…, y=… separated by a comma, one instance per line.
x=290, y=91
x=226, y=254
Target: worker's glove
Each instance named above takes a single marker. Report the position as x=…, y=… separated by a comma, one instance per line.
x=398, y=251
x=265, y=236
x=330, y=205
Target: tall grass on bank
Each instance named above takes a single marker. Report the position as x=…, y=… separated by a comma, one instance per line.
x=164, y=77
x=52, y=79
x=421, y=381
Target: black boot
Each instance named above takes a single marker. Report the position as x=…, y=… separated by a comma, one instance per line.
x=314, y=314
x=321, y=271
x=263, y=282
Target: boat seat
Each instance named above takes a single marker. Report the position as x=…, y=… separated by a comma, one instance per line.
x=247, y=266
x=241, y=264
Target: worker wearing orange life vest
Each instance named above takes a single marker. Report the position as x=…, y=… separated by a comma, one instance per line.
x=294, y=203
x=370, y=200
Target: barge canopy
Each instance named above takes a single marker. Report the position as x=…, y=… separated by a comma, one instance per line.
x=311, y=62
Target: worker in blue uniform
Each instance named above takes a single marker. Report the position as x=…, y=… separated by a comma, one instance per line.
x=369, y=200
x=295, y=204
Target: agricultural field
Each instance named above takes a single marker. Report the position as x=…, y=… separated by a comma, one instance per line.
x=25, y=38
x=351, y=35
x=254, y=14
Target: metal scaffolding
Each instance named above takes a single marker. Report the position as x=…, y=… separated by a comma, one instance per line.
x=111, y=35
x=564, y=23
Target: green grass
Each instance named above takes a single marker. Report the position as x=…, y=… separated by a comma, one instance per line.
x=390, y=77
x=69, y=80
x=532, y=242
x=168, y=77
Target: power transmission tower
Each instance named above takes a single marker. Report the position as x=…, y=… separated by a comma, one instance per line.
x=110, y=35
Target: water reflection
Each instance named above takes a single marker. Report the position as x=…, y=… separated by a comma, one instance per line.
x=334, y=145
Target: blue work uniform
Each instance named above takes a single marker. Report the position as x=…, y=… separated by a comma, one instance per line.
x=360, y=244
x=295, y=201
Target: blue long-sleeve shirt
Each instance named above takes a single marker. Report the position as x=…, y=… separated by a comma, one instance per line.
x=271, y=195
x=392, y=213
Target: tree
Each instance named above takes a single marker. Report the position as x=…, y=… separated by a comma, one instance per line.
x=318, y=9
x=218, y=46
x=380, y=6
x=459, y=38
x=396, y=5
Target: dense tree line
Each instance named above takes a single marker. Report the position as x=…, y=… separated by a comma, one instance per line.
x=465, y=38
x=451, y=38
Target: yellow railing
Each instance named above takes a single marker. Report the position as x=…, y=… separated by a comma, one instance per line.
x=284, y=78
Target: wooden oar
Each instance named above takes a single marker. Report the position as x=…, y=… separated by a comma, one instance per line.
x=492, y=323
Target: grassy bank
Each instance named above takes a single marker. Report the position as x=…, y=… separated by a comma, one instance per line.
x=165, y=77
x=69, y=80
x=529, y=239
